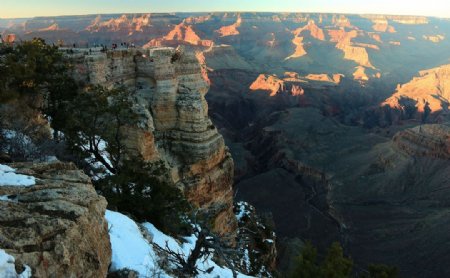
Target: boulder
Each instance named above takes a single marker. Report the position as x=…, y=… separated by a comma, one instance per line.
x=57, y=226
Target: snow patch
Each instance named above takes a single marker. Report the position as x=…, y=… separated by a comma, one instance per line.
x=8, y=177
x=242, y=210
x=7, y=268
x=131, y=250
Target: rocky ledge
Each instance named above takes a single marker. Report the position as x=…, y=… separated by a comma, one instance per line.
x=56, y=226
x=426, y=140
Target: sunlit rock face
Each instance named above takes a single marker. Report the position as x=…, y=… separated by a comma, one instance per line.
x=180, y=34
x=230, y=30
x=169, y=93
x=431, y=89
x=57, y=226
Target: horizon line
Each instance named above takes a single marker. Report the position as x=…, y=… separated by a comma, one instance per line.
x=230, y=11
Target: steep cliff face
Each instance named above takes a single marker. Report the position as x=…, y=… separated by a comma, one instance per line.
x=354, y=52
x=169, y=94
x=431, y=88
x=180, y=34
x=56, y=226
x=268, y=83
x=230, y=30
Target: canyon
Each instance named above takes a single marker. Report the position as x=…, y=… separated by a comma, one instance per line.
x=336, y=126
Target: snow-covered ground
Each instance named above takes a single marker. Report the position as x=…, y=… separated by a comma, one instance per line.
x=131, y=250
x=9, y=177
x=7, y=269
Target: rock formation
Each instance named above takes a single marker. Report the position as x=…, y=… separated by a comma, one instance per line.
x=9, y=38
x=313, y=30
x=434, y=38
x=174, y=128
x=360, y=74
x=380, y=23
x=375, y=37
x=341, y=21
x=181, y=33
x=296, y=90
x=57, y=226
x=230, y=30
x=53, y=27
x=383, y=27
x=299, y=48
x=426, y=140
x=269, y=83
x=135, y=23
x=431, y=88
x=409, y=20
x=336, y=78
x=343, y=41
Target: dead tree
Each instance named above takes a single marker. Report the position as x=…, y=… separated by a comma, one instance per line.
x=205, y=246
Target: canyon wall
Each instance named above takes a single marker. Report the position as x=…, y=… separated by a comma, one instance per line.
x=431, y=88
x=169, y=95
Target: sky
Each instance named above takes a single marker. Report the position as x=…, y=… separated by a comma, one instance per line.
x=31, y=8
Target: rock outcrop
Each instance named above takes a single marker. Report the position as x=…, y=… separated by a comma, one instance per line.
x=434, y=38
x=360, y=74
x=230, y=30
x=430, y=89
x=181, y=33
x=125, y=22
x=313, y=30
x=341, y=21
x=425, y=140
x=169, y=93
x=299, y=50
x=269, y=83
x=351, y=51
x=57, y=226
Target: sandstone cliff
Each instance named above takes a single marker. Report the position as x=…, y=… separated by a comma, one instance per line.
x=299, y=50
x=181, y=33
x=57, y=226
x=431, y=88
x=127, y=22
x=230, y=30
x=313, y=30
x=352, y=51
x=269, y=83
x=174, y=127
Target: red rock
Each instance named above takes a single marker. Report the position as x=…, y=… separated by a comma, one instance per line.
x=230, y=30
x=431, y=86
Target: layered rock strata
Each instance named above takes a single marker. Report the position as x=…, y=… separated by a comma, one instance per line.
x=430, y=89
x=57, y=226
x=169, y=95
x=425, y=140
